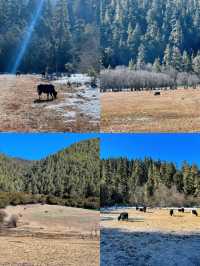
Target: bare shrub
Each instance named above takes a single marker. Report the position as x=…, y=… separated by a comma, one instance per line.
x=164, y=196
x=124, y=78
x=12, y=223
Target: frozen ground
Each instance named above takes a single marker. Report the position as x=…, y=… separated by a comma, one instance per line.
x=150, y=239
x=85, y=99
x=121, y=247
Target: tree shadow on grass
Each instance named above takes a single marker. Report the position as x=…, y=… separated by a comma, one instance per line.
x=122, y=247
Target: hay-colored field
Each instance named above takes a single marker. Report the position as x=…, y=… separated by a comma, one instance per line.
x=155, y=220
x=20, y=109
x=150, y=239
x=173, y=111
x=51, y=235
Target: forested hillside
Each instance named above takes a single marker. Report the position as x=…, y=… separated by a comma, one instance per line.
x=137, y=32
x=149, y=182
x=66, y=33
x=71, y=175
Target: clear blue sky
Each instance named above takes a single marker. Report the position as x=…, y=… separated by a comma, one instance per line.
x=169, y=147
x=37, y=146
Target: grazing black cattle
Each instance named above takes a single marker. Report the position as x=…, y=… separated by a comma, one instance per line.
x=93, y=85
x=69, y=84
x=157, y=93
x=43, y=74
x=123, y=216
x=143, y=209
x=181, y=210
x=194, y=212
x=48, y=89
x=18, y=74
x=171, y=212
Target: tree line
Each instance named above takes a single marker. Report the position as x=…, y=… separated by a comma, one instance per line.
x=151, y=182
x=69, y=177
x=126, y=78
x=65, y=38
x=160, y=32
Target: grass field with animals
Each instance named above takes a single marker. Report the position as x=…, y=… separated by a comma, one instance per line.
x=76, y=108
x=50, y=235
x=172, y=111
x=149, y=238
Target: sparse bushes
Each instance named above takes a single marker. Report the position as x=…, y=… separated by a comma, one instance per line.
x=19, y=198
x=51, y=200
x=92, y=203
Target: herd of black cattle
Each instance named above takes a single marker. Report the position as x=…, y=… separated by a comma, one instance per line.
x=171, y=212
x=124, y=215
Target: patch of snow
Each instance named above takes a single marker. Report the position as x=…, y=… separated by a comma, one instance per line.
x=75, y=78
x=84, y=101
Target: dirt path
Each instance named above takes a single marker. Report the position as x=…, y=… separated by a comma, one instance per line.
x=20, y=111
x=173, y=111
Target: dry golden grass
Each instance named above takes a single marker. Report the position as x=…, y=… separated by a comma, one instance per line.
x=48, y=252
x=19, y=112
x=51, y=235
x=173, y=111
x=155, y=220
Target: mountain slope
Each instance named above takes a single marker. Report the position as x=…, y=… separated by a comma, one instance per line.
x=142, y=31
x=71, y=173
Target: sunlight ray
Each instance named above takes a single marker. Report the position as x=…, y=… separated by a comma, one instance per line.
x=27, y=37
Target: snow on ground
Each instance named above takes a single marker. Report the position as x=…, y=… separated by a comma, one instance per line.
x=124, y=248
x=153, y=238
x=82, y=100
x=75, y=78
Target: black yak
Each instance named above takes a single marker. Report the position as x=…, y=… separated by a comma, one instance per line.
x=48, y=89
x=157, y=93
x=181, y=210
x=171, y=212
x=143, y=209
x=43, y=74
x=194, y=212
x=18, y=74
x=123, y=216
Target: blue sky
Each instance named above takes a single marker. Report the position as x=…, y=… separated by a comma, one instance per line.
x=37, y=146
x=169, y=147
